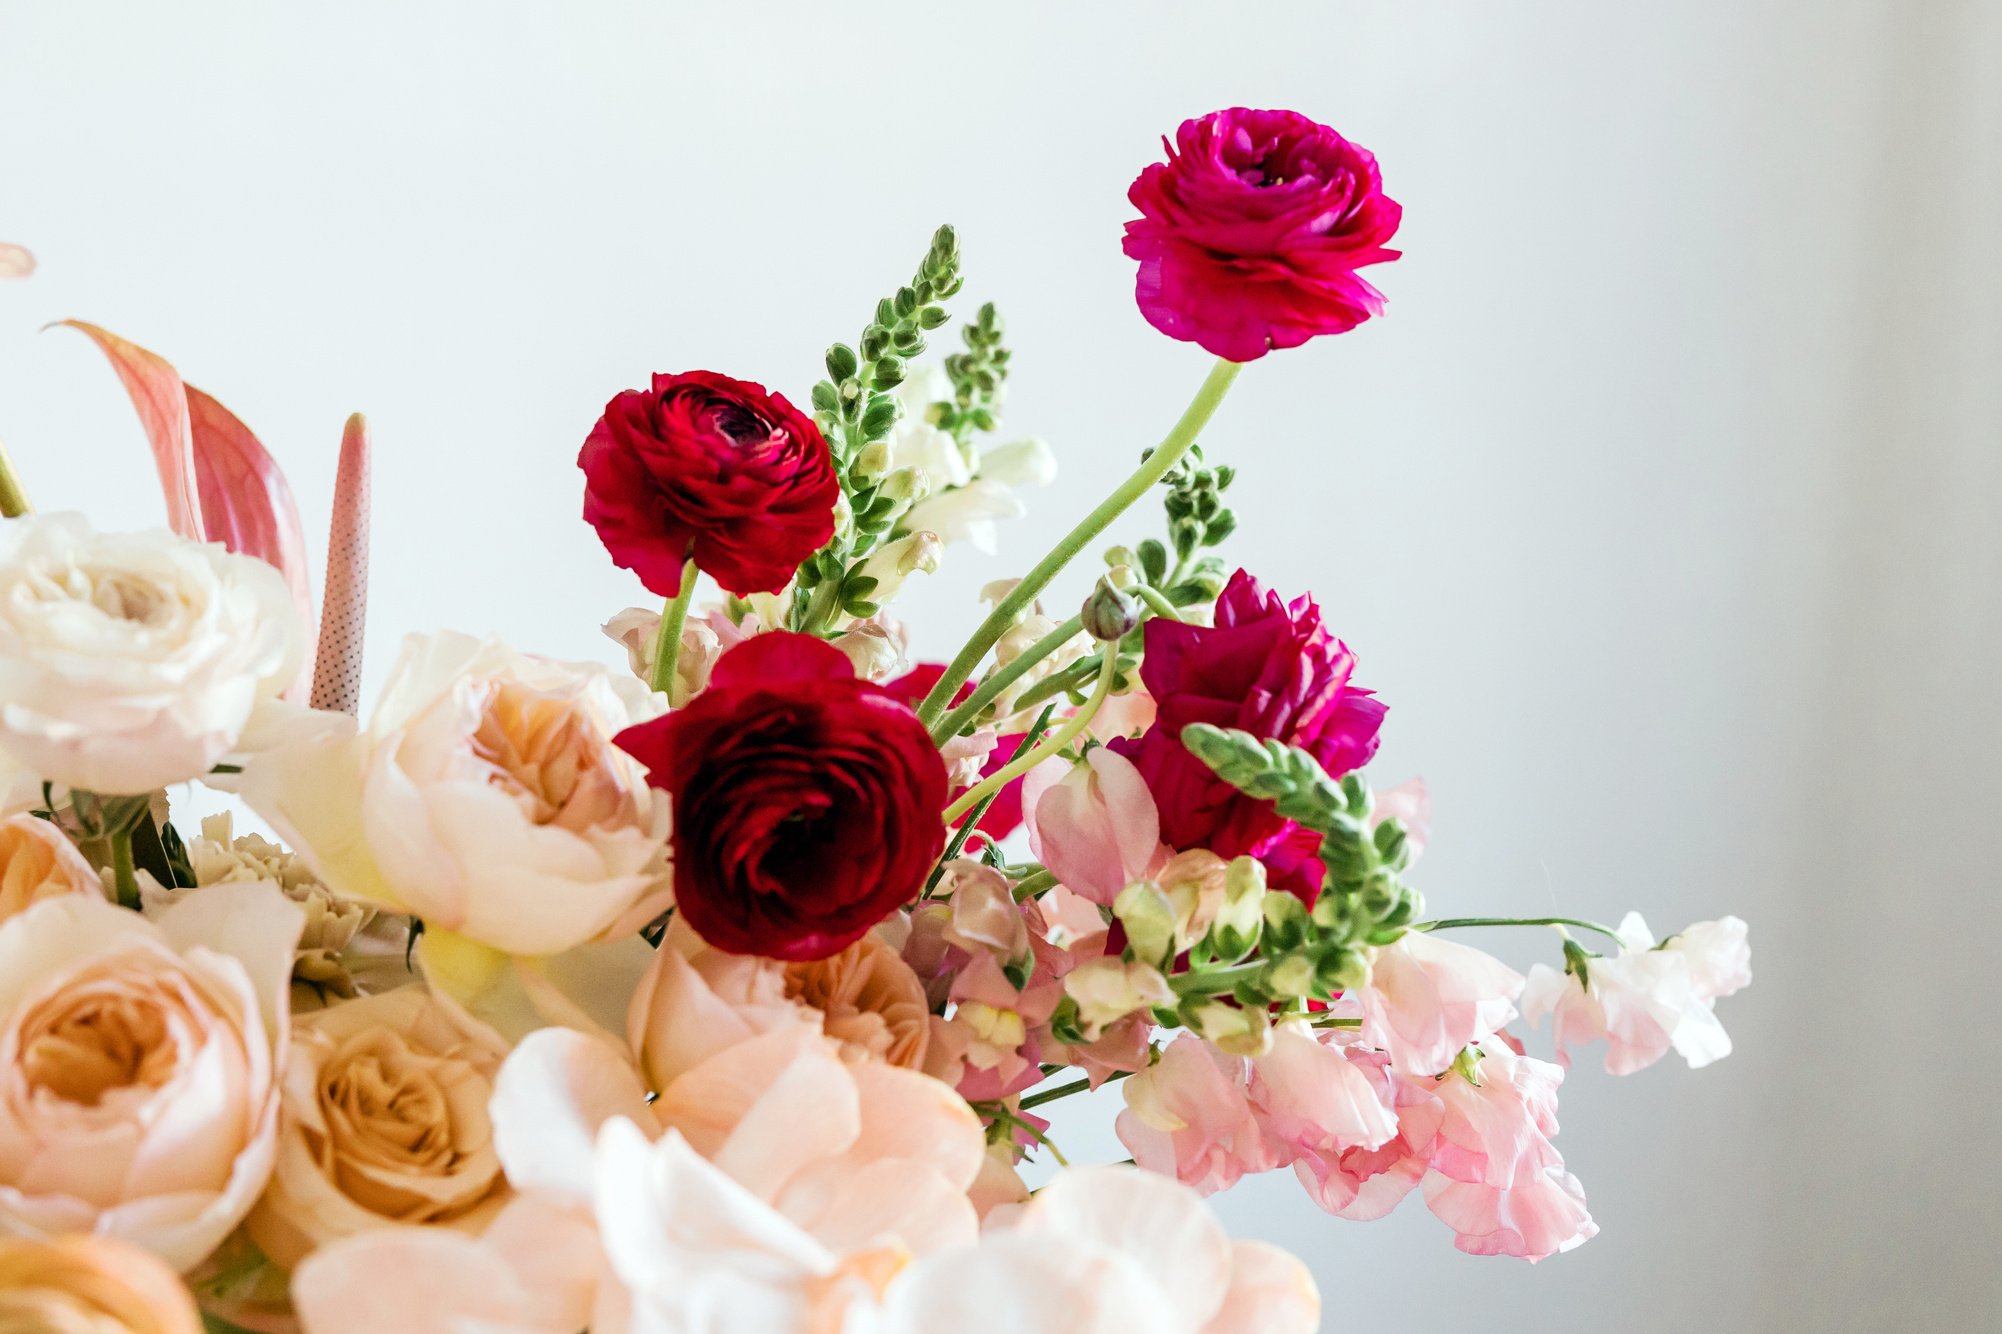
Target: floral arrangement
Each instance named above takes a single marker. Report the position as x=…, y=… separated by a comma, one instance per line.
x=722, y=993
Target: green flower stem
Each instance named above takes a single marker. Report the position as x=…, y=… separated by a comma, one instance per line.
x=1031, y=885
x=1152, y=470
x=1450, y=923
x=121, y=866
x=1057, y=683
x=1158, y=602
x=1065, y=1090
x=667, y=643
x=1216, y=981
x=1003, y=677
x=13, y=500
x=1050, y=745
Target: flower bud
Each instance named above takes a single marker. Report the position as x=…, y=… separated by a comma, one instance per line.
x=1110, y=612
x=1241, y=914
x=1122, y=577
x=1233, y=1030
x=1118, y=556
x=985, y=917
x=1107, y=990
x=1149, y=919
x=904, y=484
x=1291, y=976
x=873, y=461
x=1193, y=882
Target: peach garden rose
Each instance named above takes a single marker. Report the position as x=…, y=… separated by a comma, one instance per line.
x=90, y=1285
x=139, y=1066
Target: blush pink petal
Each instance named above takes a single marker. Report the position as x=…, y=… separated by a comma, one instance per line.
x=553, y=1092
x=1270, y=1292
x=1093, y=825
x=1429, y=997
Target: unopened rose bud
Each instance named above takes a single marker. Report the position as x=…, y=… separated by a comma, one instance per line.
x=1107, y=990
x=1109, y=613
x=1149, y=919
x=1232, y=1030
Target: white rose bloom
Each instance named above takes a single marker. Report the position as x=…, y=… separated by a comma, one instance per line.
x=129, y=661
x=484, y=796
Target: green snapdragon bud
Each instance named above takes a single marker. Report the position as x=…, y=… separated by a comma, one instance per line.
x=1110, y=613
x=1149, y=918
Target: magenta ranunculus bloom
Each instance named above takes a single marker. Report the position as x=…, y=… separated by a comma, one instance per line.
x=1267, y=667
x=1251, y=233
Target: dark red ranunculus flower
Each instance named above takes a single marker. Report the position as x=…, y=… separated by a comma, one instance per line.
x=806, y=802
x=1251, y=233
x=706, y=466
x=1266, y=667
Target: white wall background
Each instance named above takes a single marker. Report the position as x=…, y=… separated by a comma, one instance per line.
x=1664, y=507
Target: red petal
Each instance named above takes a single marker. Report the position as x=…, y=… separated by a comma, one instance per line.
x=781, y=655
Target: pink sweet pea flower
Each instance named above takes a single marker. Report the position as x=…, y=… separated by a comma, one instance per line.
x=1190, y=1117
x=1429, y=997
x=1094, y=825
x=1644, y=1000
x=1365, y=1184
x=1315, y=1099
x=1495, y=1178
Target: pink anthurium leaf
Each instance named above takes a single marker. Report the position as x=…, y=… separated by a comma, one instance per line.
x=162, y=403
x=220, y=483
x=344, y=610
x=15, y=261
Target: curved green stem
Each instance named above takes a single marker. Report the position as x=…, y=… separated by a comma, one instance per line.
x=1031, y=885
x=1051, y=744
x=1158, y=601
x=1151, y=470
x=1216, y=981
x=121, y=867
x=1449, y=923
x=667, y=643
x=1003, y=677
x=1065, y=1090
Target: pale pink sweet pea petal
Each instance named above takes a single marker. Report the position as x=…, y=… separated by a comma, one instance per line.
x=1189, y=1116
x=1719, y=954
x=1270, y=1292
x=1429, y=997
x=1313, y=1098
x=1366, y=1184
x=1634, y=1003
x=1094, y=825
x=1410, y=803
x=15, y=261
x=1496, y=1179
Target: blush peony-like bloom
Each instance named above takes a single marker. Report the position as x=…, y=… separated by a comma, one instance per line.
x=806, y=802
x=139, y=1066
x=1251, y=233
x=1429, y=997
x=129, y=661
x=384, y=1122
x=37, y=861
x=90, y=1285
x=1267, y=667
x=484, y=796
x=704, y=466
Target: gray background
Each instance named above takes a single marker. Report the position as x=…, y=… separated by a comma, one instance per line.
x=1662, y=507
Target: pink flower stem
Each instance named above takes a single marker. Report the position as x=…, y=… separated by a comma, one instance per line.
x=667, y=643
x=1151, y=470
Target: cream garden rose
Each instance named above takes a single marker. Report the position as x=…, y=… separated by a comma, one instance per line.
x=129, y=661
x=139, y=1066
x=484, y=796
x=384, y=1123
x=37, y=862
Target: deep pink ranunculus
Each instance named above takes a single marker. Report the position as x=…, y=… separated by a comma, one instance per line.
x=1251, y=233
x=806, y=802
x=706, y=466
x=1266, y=667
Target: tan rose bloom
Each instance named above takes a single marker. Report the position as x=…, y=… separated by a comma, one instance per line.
x=89, y=1285
x=869, y=1000
x=37, y=861
x=384, y=1122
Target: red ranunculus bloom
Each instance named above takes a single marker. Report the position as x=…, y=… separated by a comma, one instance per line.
x=806, y=802
x=1266, y=667
x=1253, y=229
x=706, y=466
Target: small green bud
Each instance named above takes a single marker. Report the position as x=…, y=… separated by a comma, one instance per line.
x=1291, y=976
x=841, y=362
x=1242, y=914
x=1233, y=1030
x=1118, y=556
x=873, y=461
x=904, y=484
x=1149, y=919
x=1110, y=612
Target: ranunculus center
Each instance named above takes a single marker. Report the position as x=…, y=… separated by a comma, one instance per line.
x=742, y=427
x=96, y=1044
x=126, y=597
x=543, y=750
